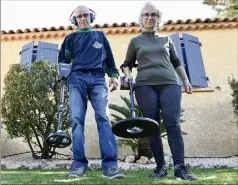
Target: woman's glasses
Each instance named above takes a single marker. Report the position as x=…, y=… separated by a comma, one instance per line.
x=147, y=15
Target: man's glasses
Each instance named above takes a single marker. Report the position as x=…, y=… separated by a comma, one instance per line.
x=147, y=15
x=80, y=16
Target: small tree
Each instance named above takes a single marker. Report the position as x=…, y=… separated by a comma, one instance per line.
x=30, y=103
x=139, y=146
x=234, y=87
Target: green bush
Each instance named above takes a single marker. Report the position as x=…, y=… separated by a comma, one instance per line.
x=234, y=87
x=30, y=104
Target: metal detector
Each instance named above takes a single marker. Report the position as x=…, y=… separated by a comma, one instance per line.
x=61, y=139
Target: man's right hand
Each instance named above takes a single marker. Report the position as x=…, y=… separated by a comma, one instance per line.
x=58, y=78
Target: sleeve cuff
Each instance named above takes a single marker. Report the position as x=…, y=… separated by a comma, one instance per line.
x=115, y=75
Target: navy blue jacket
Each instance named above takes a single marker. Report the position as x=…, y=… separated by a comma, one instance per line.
x=89, y=51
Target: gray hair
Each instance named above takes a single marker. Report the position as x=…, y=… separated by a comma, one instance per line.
x=158, y=18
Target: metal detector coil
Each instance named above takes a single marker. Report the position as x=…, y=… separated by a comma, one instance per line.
x=134, y=127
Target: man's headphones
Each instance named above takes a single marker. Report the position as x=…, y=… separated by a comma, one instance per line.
x=74, y=21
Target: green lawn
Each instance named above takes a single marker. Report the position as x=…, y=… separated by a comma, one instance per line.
x=223, y=176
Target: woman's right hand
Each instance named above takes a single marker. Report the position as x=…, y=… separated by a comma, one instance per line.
x=125, y=82
x=127, y=77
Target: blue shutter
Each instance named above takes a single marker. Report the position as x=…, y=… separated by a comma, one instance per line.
x=196, y=71
x=26, y=55
x=47, y=51
x=176, y=40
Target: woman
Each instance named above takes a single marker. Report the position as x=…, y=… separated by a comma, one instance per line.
x=157, y=86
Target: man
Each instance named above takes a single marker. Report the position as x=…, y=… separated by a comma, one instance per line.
x=91, y=57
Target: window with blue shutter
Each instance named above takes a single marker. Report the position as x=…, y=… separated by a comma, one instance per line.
x=194, y=61
x=27, y=55
x=47, y=51
x=43, y=50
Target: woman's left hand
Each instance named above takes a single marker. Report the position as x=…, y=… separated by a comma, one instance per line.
x=188, y=87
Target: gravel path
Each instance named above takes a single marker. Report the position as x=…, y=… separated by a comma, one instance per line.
x=27, y=162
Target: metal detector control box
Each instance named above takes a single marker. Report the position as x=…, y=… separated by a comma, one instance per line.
x=64, y=70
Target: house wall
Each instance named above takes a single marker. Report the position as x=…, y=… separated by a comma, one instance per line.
x=208, y=115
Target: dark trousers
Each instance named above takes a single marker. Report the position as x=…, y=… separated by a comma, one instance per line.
x=167, y=98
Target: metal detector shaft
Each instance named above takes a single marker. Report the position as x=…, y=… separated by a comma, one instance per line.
x=132, y=109
x=61, y=106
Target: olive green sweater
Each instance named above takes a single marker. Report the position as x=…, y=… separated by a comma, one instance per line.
x=157, y=59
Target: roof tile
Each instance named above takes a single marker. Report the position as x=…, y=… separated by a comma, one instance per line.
x=170, y=25
x=124, y=24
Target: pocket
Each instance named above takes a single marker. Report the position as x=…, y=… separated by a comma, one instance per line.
x=73, y=78
x=101, y=81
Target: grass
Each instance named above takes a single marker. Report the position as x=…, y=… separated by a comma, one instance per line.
x=217, y=176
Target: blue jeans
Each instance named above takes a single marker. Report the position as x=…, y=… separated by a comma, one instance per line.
x=84, y=87
x=151, y=99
